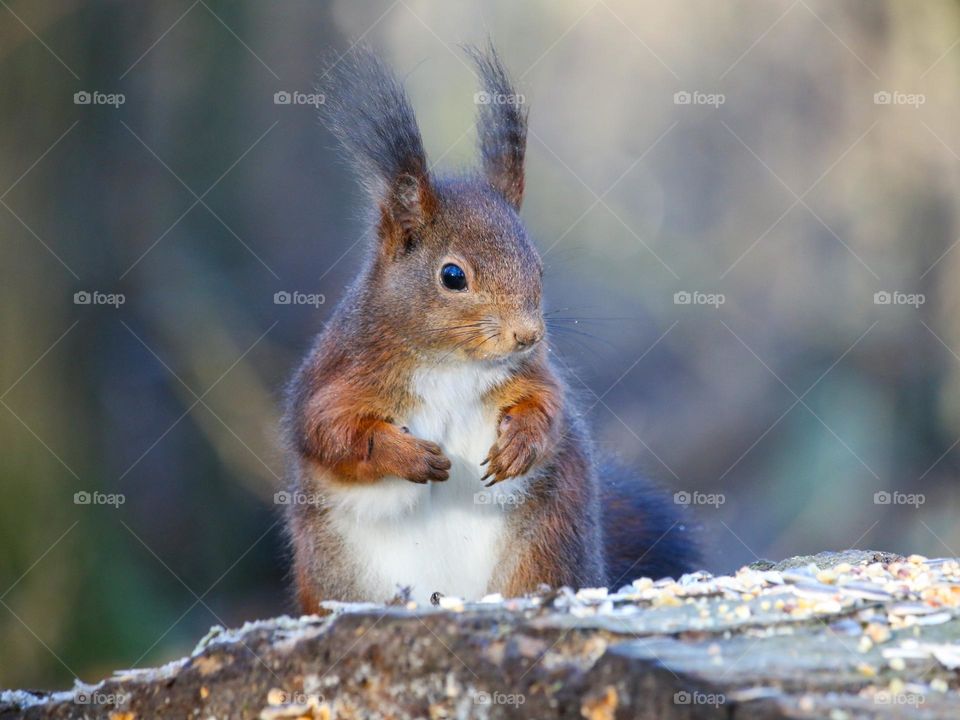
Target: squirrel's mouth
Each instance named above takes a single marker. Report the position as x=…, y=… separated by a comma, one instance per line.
x=487, y=340
x=504, y=353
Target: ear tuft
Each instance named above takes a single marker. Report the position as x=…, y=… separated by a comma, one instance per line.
x=502, y=126
x=367, y=109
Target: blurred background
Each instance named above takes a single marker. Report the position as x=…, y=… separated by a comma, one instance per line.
x=750, y=209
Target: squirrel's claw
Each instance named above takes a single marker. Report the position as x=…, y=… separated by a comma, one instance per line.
x=522, y=441
x=493, y=478
x=501, y=468
x=511, y=456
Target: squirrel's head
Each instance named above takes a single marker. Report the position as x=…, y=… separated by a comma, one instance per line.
x=453, y=269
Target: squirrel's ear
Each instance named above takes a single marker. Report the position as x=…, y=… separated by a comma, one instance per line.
x=407, y=205
x=502, y=126
x=366, y=108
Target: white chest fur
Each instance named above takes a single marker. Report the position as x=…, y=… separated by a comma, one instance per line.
x=444, y=536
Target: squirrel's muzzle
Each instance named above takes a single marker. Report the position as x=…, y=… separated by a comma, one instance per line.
x=527, y=334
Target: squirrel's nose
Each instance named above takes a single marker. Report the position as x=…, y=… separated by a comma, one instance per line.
x=527, y=336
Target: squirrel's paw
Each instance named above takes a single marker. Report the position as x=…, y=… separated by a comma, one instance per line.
x=522, y=441
x=393, y=451
x=420, y=461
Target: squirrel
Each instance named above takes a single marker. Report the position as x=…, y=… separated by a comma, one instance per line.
x=433, y=447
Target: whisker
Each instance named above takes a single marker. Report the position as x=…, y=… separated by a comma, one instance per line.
x=563, y=330
x=457, y=347
x=570, y=307
x=573, y=341
x=487, y=338
x=556, y=318
x=453, y=327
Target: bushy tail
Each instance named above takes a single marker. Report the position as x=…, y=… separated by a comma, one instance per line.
x=645, y=533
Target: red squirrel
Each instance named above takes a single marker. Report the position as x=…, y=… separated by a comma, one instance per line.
x=433, y=445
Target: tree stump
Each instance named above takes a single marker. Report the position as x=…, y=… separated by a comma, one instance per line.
x=836, y=635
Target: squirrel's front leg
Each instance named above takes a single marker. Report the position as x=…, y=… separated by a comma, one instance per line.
x=366, y=449
x=527, y=432
x=389, y=449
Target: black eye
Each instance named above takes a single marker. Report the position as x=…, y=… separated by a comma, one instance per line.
x=453, y=277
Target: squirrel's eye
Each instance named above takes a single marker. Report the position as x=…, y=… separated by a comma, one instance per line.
x=453, y=277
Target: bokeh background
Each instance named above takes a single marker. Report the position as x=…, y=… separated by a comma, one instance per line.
x=793, y=194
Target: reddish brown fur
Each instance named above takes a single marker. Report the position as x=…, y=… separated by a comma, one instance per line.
x=356, y=381
x=397, y=317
